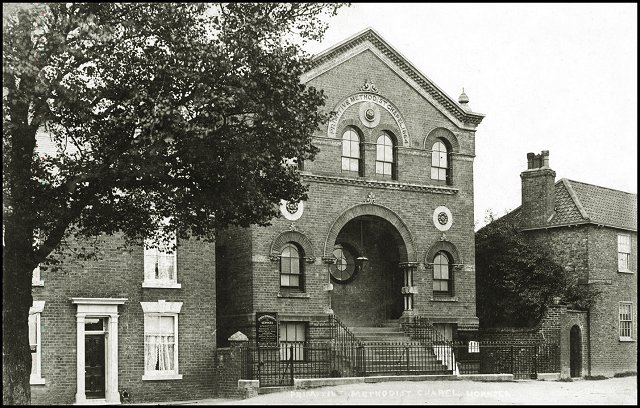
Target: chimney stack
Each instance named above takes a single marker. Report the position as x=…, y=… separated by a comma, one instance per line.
x=538, y=190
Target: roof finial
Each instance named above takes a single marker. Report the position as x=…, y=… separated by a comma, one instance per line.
x=463, y=99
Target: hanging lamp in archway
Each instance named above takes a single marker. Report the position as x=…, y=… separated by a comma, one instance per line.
x=362, y=260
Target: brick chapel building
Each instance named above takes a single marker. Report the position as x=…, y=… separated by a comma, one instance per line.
x=392, y=184
x=391, y=188
x=592, y=232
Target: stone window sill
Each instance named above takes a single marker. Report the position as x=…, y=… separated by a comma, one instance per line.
x=626, y=340
x=294, y=295
x=161, y=285
x=36, y=381
x=37, y=283
x=160, y=377
x=444, y=299
x=625, y=271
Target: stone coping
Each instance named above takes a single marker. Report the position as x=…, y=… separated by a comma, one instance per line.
x=302, y=383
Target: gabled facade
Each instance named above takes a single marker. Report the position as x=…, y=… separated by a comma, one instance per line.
x=392, y=183
x=592, y=232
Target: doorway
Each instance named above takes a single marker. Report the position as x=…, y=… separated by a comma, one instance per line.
x=575, y=352
x=372, y=295
x=97, y=350
x=95, y=357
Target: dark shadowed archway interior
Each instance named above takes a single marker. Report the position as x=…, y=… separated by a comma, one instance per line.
x=370, y=296
x=575, y=351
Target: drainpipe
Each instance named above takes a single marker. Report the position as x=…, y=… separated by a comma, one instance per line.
x=589, y=339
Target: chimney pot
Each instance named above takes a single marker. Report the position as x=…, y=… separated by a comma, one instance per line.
x=530, y=160
x=545, y=159
x=538, y=190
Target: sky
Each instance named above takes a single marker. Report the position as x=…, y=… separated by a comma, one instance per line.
x=557, y=77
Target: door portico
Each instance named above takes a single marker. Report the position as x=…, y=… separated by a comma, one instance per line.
x=97, y=325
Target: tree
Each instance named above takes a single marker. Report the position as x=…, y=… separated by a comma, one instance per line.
x=516, y=278
x=159, y=110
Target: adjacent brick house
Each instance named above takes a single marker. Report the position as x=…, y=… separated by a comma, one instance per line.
x=592, y=232
x=134, y=325
x=392, y=183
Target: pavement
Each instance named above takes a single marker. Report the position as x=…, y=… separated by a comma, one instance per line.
x=616, y=391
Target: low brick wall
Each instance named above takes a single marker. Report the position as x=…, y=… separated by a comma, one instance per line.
x=228, y=372
x=552, y=330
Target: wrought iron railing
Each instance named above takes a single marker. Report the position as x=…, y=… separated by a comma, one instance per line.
x=421, y=329
x=522, y=359
x=400, y=359
x=428, y=352
x=347, y=348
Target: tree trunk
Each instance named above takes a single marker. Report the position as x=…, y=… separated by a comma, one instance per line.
x=16, y=301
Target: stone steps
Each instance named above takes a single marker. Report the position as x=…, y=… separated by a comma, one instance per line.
x=386, y=348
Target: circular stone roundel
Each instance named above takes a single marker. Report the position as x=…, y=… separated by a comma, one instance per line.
x=442, y=218
x=291, y=211
x=369, y=114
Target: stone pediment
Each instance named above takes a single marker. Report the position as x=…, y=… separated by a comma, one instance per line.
x=372, y=41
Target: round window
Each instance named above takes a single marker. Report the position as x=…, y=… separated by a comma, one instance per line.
x=343, y=268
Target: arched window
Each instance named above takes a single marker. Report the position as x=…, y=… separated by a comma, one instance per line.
x=351, y=151
x=384, y=156
x=439, y=161
x=290, y=266
x=442, y=282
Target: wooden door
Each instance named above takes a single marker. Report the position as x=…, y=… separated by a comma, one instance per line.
x=94, y=346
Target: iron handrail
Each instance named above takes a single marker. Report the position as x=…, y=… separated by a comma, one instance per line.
x=342, y=331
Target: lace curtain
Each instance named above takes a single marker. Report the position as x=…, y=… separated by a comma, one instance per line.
x=159, y=265
x=159, y=343
x=33, y=342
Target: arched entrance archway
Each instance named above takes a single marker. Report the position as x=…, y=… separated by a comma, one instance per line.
x=575, y=351
x=375, y=210
x=371, y=295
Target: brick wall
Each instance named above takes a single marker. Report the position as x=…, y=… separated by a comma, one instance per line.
x=374, y=295
x=590, y=253
x=234, y=280
x=553, y=329
x=610, y=354
x=119, y=274
x=228, y=370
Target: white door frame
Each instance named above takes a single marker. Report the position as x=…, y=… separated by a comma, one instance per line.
x=98, y=307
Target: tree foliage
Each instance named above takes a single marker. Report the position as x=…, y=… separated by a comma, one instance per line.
x=156, y=110
x=517, y=278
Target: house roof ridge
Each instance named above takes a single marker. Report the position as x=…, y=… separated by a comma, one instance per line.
x=602, y=187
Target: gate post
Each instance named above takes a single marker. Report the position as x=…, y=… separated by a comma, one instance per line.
x=535, y=361
x=291, y=361
x=406, y=349
x=361, y=365
x=513, y=368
